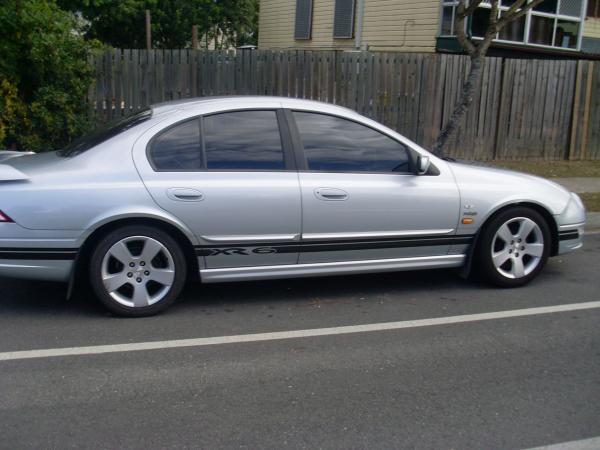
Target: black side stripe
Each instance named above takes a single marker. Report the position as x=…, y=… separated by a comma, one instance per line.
x=339, y=245
x=568, y=235
x=38, y=254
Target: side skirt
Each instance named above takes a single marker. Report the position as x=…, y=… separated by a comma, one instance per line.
x=333, y=268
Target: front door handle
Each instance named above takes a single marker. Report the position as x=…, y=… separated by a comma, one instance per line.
x=185, y=194
x=331, y=194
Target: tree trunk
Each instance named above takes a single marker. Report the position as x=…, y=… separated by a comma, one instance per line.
x=466, y=98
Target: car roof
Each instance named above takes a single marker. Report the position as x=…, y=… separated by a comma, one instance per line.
x=236, y=101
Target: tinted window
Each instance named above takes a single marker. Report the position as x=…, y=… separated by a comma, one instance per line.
x=243, y=140
x=104, y=133
x=178, y=148
x=333, y=144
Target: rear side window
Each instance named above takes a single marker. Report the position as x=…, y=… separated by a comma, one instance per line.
x=236, y=140
x=333, y=144
x=243, y=140
x=178, y=148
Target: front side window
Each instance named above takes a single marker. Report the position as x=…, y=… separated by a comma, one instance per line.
x=243, y=140
x=333, y=144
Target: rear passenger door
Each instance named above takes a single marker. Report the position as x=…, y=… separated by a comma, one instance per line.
x=230, y=177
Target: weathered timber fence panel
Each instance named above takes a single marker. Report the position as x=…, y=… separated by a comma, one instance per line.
x=525, y=109
x=585, y=121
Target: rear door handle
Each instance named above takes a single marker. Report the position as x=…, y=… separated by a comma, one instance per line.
x=331, y=194
x=185, y=194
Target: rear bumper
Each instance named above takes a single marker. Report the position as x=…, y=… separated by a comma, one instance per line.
x=37, y=254
x=34, y=269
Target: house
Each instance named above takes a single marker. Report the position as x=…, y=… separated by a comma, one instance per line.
x=561, y=28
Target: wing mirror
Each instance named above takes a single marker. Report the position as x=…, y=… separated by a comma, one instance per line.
x=423, y=163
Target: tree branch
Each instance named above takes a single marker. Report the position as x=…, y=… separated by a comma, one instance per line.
x=471, y=8
x=492, y=29
x=459, y=26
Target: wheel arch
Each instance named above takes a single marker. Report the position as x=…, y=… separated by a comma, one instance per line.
x=83, y=255
x=547, y=215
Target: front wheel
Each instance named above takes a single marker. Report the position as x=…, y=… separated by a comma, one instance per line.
x=514, y=247
x=137, y=271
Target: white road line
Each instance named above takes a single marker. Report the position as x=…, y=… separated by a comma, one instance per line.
x=199, y=342
x=584, y=444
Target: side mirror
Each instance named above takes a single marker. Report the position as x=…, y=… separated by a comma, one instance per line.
x=423, y=164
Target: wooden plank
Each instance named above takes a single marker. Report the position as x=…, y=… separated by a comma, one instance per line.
x=506, y=100
x=110, y=85
x=575, y=116
x=567, y=100
x=594, y=138
x=586, y=110
x=99, y=100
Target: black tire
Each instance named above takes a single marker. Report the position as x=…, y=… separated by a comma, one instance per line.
x=501, y=276
x=171, y=260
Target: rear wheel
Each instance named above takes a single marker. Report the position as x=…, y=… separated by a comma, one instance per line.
x=514, y=247
x=137, y=271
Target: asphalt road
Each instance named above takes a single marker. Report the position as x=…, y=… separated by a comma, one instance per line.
x=517, y=382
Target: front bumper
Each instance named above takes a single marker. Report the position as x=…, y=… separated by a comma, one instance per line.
x=571, y=226
x=570, y=237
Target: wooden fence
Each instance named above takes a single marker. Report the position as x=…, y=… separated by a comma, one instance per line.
x=526, y=109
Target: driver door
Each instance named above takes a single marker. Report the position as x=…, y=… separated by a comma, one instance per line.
x=361, y=199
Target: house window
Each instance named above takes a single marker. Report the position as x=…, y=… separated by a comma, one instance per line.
x=448, y=14
x=593, y=9
x=303, y=25
x=552, y=23
x=343, y=20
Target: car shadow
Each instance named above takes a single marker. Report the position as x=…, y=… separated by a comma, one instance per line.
x=49, y=298
x=42, y=298
x=331, y=288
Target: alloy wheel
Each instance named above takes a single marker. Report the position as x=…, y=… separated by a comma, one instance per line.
x=138, y=271
x=517, y=247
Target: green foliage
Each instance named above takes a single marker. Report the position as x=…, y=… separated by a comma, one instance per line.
x=44, y=75
x=11, y=109
x=121, y=23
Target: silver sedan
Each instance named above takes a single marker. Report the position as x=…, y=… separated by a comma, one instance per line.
x=243, y=188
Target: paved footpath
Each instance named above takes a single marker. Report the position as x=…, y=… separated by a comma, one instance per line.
x=580, y=186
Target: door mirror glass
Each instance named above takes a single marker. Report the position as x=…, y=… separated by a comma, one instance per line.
x=423, y=163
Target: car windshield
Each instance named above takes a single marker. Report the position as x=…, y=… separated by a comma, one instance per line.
x=104, y=133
